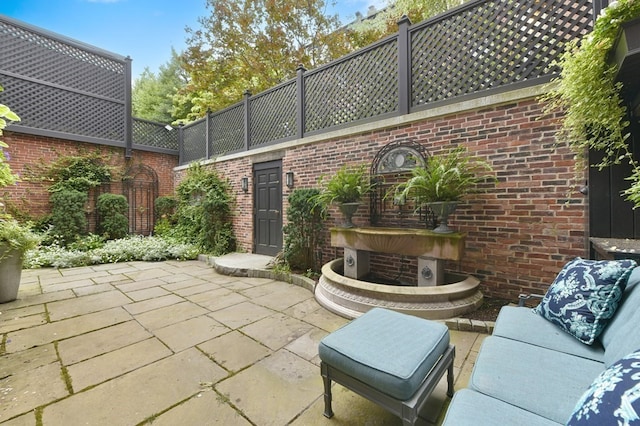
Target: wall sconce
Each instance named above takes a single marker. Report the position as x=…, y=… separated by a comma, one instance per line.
x=288, y=179
x=244, y=184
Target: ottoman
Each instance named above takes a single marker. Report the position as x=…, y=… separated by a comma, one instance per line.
x=393, y=359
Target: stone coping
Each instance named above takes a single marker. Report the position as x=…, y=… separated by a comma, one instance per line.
x=456, y=324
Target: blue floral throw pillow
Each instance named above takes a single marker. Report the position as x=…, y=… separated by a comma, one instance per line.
x=584, y=295
x=613, y=398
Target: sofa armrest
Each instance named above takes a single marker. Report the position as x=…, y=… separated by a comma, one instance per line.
x=523, y=297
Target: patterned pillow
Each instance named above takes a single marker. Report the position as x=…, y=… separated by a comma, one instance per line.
x=613, y=398
x=584, y=295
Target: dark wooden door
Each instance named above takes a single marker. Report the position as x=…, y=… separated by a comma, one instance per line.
x=267, y=178
x=610, y=215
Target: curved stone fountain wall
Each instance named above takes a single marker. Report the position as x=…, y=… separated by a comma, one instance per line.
x=351, y=298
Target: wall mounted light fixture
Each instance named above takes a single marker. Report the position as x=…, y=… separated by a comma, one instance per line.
x=288, y=179
x=244, y=184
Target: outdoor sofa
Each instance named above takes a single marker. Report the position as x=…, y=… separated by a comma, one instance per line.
x=574, y=359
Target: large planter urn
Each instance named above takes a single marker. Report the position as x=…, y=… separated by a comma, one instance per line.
x=348, y=210
x=442, y=209
x=10, y=272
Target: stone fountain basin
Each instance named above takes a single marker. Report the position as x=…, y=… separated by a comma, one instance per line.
x=407, y=241
x=351, y=298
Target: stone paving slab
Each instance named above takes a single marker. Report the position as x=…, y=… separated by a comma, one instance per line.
x=51, y=332
x=276, y=331
x=189, y=333
x=159, y=318
x=177, y=343
x=252, y=390
x=86, y=304
x=235, y=351
x=206, y=408
x=236, y=316
x=134, y=397
x=17, y=319
x=116, y=363
x=23, y=390
x=92, y=344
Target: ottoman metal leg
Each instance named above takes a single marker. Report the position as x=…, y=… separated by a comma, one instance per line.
x=328, y=412
x=450, y=378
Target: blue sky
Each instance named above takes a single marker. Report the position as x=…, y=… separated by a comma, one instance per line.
x=145, y=30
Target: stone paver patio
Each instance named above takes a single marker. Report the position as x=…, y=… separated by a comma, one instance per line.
x=175, y=343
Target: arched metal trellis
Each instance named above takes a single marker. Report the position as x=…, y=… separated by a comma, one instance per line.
x=392, y=165
x=140, y=186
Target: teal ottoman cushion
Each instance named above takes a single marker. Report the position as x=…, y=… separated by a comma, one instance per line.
x=387, y=350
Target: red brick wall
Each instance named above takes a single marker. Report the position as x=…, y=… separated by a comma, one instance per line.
x=519, y=233
x=34, y=152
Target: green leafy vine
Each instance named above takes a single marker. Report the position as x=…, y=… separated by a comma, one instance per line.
x=595, y=117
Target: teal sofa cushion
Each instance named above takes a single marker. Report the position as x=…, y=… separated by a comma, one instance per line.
x=521, y=324
x=584, y=295
x=470, y=408
x=613, y=397
x=532, y=378
x=389, y=351
x=627, y=309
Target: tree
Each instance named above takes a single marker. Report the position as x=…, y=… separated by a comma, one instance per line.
x=152, y=96
x=385, y=22
x=254, y=45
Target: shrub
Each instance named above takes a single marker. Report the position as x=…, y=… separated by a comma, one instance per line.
x=303, y=230
x=122, y=250
x=165, y=211
x=112, y=212
x=68, y=219
x=204, y=212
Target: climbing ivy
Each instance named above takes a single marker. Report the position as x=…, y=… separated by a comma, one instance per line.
x=594, y=115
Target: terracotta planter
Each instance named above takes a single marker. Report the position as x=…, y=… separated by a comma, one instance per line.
x=10, y=273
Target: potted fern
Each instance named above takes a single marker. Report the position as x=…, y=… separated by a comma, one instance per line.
x=345, y=188
x=442, y=183
x=15, y=239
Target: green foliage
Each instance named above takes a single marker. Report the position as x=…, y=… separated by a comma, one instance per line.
x=347, y=185
x=7, y=177
x=112, y=211
x=79, y=173
x=588, y=94
x=19, y=237
x=152, y=95
x=123, y=250
x=165, y=214
x=204, y=211
x=255, y=45
x=165, y=207
x=385, y=22
x=444, y=178
x=68, y=219
x=303, y=231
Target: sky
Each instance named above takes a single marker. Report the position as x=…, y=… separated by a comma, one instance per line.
x=144, y=30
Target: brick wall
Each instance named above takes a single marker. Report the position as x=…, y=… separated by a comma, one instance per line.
x=519, y=233
x=31, y=152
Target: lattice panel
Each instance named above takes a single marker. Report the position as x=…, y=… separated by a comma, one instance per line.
x=273, y=114
x=148, y=133
x=32, y=55
x=226, y=131
x=360, y=86
x=52, y=108
x=194, y=143
x=491, y=44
